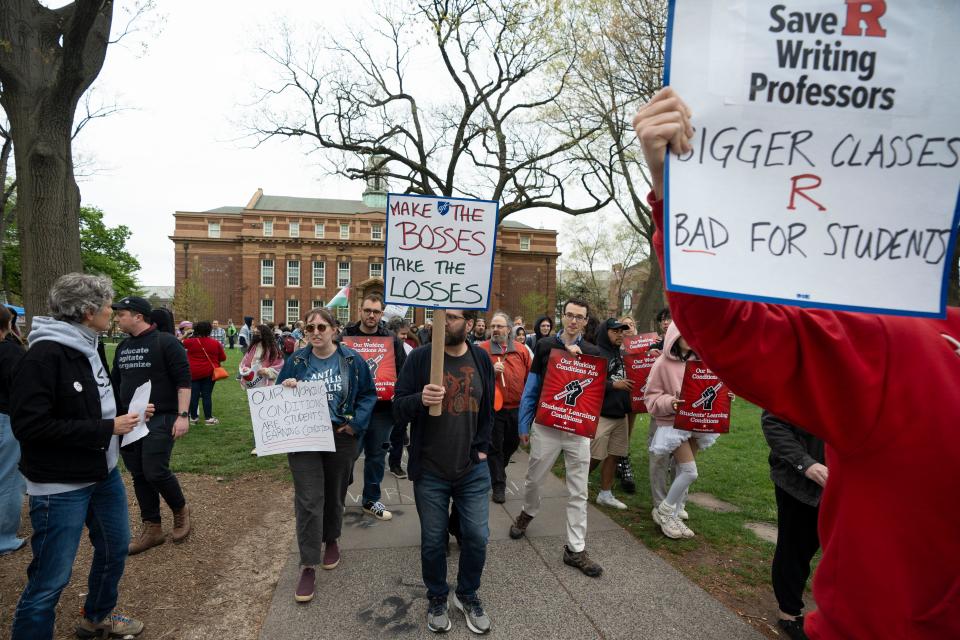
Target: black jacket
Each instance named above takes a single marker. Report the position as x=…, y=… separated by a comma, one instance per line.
x=408, y=403
x=792, y=452
x=10, y=353
x=399, y=355
x=616, y=402
x=55, y=414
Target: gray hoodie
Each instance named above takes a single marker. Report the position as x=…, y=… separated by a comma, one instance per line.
x=84, y=340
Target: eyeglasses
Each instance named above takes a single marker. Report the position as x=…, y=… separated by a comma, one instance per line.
x=371, y=312
x=451, y=318
x=319, y=327
x=574, y=317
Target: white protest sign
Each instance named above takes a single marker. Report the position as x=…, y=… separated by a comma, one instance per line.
x=291, y=419
x=439, y=251
x=394, y=311
x=826, y=159
x=138, y=405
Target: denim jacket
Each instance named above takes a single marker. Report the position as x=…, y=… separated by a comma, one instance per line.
x=358, y=394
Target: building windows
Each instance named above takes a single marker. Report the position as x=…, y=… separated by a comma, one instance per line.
x=266, y=311
x=343, y=274
x=376, y=270
x=317, y=304
x=268, y=228
x=213, y=229
x=294, y=229
x=344, y=231
x=293, y=273
x=376, y=232
x=293, y=311
x=428, y=315
x=319, y=273
x=266, y=273
x=343, y=315
x=524, y=243
x=409, y=315
x=628, y=302
x=318, y=230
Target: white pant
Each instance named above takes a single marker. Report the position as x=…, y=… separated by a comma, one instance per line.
x=546, y=444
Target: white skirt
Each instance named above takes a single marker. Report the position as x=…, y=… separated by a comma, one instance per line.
x=667, y=439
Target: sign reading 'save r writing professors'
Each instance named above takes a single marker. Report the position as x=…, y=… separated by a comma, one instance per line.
x=439, y=251
x=826, y=163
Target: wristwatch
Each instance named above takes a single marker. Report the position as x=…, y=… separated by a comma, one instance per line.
x=184, y=414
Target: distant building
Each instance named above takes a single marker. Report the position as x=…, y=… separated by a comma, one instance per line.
x=159, y=296
x=279, y=256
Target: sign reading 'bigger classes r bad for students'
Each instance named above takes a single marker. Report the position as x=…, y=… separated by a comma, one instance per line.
x=826, y=156
x=439, y=251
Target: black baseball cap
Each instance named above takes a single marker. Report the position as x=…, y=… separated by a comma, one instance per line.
x=613, y=323
x=133, y=303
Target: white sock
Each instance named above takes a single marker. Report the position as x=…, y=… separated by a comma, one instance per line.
x=605, y=493
x=686, y=474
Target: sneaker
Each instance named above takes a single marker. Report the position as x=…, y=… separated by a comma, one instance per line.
x=194, y=420
x=331, y=555
x=398, y=472
x=499, y=495
x=377, y=510
x=625, y=473
x=308, y=577
x=685, y=531
x=519, y=526
x=211, y=421
x=669, y=523
x=437, y=619
x=580, y=560
x=606, y=499
x=683, y=514
x=477, y=620
x=115, y=626
x=793, y=628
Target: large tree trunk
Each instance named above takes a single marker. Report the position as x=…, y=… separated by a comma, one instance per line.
x=651, y=299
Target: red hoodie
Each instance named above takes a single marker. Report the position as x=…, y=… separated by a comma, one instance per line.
x=884, y=393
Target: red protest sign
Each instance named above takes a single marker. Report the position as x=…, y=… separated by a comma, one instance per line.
x=638, y=367
x=572, y=393
x=638, y=343
x=705, y=405
x=378, y=353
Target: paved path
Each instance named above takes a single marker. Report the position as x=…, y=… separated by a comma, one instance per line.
x=376, y=592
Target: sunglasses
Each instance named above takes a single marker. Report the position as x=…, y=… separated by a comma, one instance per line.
x=319, y=327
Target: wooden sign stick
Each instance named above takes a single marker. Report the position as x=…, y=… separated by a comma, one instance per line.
x=437, y=340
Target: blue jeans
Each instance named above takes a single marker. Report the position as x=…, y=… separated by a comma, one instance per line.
x=201, y=390
x=469, y=494
x=12, y=487
x=58, y=522
x=376, y=443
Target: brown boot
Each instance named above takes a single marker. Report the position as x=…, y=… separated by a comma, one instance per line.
x=151, y=535
x=181, y=524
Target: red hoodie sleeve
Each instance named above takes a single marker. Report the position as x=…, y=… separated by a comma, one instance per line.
x=820, y=370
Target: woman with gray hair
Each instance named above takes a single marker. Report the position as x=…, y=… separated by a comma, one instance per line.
x=65, y=416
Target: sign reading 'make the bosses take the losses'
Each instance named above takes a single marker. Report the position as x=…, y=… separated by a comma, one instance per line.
x=826, y=157
x=439, y=251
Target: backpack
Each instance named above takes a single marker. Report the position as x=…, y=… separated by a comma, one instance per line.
x=289, y=344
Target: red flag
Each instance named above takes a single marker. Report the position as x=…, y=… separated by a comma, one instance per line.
x=638, y=367
x=706, y=402
x=377, y=351
x=572, y=393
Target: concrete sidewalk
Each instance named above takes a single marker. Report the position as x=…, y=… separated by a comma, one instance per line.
x=528, y=592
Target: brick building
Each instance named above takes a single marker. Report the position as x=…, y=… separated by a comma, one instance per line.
x=279, y=256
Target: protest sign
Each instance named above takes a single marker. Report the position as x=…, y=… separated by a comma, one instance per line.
x=138, y=404
x=572, y=393
x=705, y=405
x=826, y=157
x=639, y=343
x=394, y=311
x=638, y=367
x=377, y=351
x=439, y=251
x=289, y=419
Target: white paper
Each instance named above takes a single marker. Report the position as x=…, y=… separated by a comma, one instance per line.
x=286, y=420
x=138, y=405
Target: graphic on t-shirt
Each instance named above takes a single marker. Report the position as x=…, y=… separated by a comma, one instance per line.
x=572, y=391
x=707, y=397
x=457, y=399
x=331, y=377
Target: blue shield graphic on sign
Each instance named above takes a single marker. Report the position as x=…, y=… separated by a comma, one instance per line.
x=443, y=207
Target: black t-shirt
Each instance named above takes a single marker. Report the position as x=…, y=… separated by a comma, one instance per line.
x=447, y=438
x=156, y=356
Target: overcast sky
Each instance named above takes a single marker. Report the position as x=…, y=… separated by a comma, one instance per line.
x=178, y=148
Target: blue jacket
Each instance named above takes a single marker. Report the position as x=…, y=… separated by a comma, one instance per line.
x=408, y=403
x=359, y=393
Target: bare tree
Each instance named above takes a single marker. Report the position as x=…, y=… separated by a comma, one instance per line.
x=476, y=130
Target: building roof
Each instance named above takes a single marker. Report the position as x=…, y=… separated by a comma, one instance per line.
x=225, y=210
x=312, y=205
x=512, y=224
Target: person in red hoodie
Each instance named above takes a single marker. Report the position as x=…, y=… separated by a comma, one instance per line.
x=882, y=392
x=202, y=352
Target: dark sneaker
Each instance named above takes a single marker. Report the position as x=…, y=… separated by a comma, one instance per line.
x=625, y=473
x=437, y=619
x=115, y=626
x=499, y=495
x=398, y=472
x=308, y=578
x=582, y=561
x=331, y=555
x=793, y=628
x=377, y=510
x=519, y=526
x=477, y=620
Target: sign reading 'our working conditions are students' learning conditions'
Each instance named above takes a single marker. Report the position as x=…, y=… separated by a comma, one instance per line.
x=290, y=419
x=439, y=251
x=825, y=167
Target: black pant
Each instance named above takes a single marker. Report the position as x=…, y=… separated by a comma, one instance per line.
x=148, y=460
x=201, y=390
x=397, y=438
x=797, y=542
x=504, y=442
x=231, y=340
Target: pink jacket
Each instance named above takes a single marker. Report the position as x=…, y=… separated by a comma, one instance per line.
x=664, y=382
